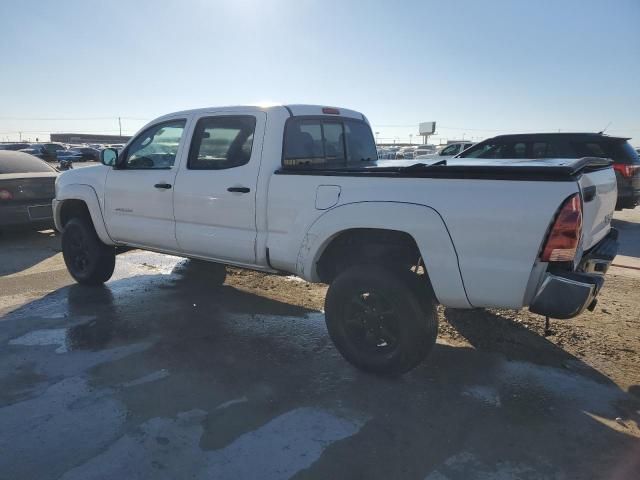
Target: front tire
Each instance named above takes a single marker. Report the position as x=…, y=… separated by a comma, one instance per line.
x=89, y=261
x=381, y=320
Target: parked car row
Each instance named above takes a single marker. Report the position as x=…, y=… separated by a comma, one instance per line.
x=422, y=151
x=52, y=152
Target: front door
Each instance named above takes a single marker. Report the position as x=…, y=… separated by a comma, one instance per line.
x=139, y=192
x=215, y=193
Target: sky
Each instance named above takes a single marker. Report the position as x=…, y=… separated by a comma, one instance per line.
x=477, y=68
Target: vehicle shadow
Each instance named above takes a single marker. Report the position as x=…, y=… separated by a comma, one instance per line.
x=629, y=237
x=24, y=248
x=243, y=362
x=491, y=332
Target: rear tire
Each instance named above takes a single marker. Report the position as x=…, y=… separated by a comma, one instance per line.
x=89, y=261
x=381, y=320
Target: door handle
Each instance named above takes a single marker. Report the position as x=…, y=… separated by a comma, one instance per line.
x=239, y=189
x=166, y=186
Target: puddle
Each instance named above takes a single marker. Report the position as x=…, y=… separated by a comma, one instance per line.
x=486, y=395
x=547, y=387
x=232, y=402
x=467, y=465
x=152, y=377
x=279, y=449
x=38, y=338
x=141, y=262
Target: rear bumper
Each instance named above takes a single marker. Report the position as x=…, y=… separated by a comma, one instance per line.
x=567, y=294
x=37, y=215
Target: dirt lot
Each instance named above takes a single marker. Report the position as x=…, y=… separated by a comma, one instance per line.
x=159, y=376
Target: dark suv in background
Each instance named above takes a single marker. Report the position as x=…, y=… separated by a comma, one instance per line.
x=45, y=151
x=570, y=145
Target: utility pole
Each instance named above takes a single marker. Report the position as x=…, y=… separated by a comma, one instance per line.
x=120, y=125
x=20, y=133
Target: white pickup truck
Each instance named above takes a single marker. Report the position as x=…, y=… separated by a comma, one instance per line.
x=299, y=189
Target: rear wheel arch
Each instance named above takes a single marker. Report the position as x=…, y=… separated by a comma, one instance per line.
x=392, y=248
x=419, y=226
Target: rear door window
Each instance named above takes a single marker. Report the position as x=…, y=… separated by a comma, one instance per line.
x=539, y=150
x=450, y=150
x=519, y=150
x=486, y=149
x=221, y=142
x=591, y=149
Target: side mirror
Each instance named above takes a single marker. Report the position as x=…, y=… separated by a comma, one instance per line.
x=109, y=157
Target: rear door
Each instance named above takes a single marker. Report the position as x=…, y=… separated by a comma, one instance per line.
x=139, y=193
x=215, y=192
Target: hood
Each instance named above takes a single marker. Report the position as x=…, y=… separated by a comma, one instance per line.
x=93, y=176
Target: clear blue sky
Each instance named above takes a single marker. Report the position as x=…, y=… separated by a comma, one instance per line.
x=476, y=67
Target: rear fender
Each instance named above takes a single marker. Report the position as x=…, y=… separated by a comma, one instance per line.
x=423, y=223
x=88, y=195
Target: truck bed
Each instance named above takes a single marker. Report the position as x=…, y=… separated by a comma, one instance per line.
x=548, y=169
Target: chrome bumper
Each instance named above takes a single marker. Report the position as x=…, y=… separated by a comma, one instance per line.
x=567, y=294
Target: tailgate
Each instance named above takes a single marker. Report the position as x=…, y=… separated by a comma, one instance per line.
x=599, y=195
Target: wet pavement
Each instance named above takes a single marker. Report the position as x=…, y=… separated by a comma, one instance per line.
x=159, y=376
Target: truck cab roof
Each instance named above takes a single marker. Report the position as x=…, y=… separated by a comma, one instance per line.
x=293, y=110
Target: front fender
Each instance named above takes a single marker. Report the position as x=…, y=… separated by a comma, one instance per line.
x=88, y=195
x=423, y=223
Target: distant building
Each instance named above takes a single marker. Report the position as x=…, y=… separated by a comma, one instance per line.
x=87, y=138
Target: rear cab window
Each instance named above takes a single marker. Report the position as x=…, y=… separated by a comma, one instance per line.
x=327, y=142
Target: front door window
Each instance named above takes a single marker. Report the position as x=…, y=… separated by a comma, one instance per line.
x=156, y=147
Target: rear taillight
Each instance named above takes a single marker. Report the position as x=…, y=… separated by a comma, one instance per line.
x=564, y=237
x=5, y=195
x=626, y=170
x=330, y=111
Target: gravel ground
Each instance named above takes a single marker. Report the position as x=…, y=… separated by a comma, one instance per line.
x=157, y=375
